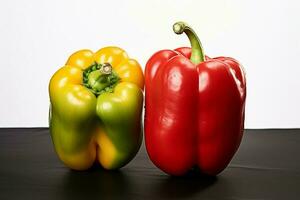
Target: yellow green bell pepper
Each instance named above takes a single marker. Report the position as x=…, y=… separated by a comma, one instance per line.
x=96, y=107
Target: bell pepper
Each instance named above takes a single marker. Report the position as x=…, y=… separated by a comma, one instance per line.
x=96, y=107
x=194, y=117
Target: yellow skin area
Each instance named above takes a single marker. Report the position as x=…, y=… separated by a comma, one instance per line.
x=89, y=141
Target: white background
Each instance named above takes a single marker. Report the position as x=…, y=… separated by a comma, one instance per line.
x=38, y=36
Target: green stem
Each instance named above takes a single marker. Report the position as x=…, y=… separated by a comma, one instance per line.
x=197, y=50
x=100, y=78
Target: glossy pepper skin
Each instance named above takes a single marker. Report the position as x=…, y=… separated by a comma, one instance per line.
x=195, y=106
x=96, y=107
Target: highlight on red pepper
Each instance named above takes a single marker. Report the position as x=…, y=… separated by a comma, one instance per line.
x=195, y=108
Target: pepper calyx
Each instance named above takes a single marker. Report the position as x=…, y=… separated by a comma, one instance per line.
x=100, y=78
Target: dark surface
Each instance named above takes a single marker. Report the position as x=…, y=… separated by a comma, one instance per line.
x=267, y=166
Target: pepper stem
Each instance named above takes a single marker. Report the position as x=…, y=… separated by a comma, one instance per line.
x=100, y=78
x=106, y=68
x=197, y=49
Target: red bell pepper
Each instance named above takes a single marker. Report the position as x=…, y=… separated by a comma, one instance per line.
x=195, y=108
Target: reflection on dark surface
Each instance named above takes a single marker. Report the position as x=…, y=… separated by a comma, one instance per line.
x=96, y=182
x=186, y=186
x=103, y=184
